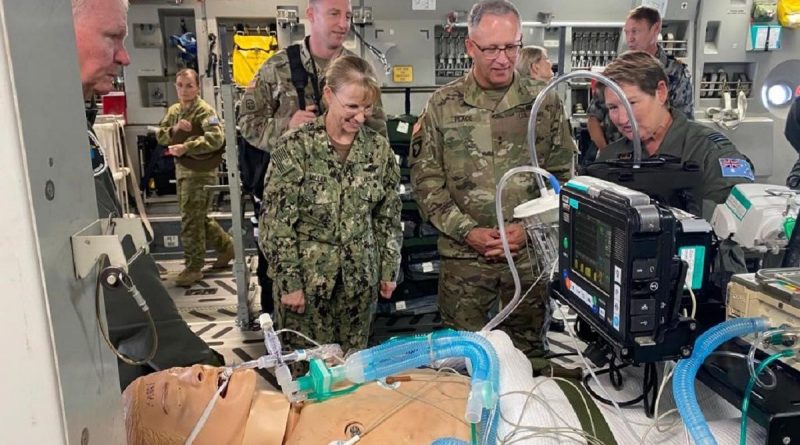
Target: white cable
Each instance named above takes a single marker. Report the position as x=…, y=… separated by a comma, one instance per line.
x=308, y=339
x=694, y=303
x=597, y=380
x=207, y=412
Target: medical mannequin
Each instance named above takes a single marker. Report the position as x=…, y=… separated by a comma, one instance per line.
x=163, y=408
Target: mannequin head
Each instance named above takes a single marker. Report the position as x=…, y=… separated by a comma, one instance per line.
x=162, y=408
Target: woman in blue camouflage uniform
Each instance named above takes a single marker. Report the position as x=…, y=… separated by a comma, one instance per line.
x=331, y=221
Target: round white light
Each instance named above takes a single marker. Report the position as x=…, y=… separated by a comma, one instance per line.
x=779, y=94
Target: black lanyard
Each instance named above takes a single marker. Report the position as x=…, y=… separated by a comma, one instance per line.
x=314, y=78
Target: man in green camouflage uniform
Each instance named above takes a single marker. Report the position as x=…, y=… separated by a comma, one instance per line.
x=472, y=132
x=269, y=106
x=642, y=29
x=331, y=229
x=194, y=135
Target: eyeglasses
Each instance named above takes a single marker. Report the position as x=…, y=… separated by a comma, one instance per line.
x=353, y=110
x=493, y=52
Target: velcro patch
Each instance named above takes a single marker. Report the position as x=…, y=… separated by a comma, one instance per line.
x=213, y=120
x=718, y=138
x=736, y=168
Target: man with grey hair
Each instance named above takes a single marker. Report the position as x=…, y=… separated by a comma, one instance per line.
x=473, y=131
x=100, y=31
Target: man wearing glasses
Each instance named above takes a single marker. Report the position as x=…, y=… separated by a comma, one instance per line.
x=472, y=132
x=271, y=104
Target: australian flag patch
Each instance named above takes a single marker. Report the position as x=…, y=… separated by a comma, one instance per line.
x=736, y=168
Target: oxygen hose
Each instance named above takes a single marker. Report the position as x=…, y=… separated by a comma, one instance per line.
x=541, y=97
x=501, y=227
x=540, y=173
x=686, y=371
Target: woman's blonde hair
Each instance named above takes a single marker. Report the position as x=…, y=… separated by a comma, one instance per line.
x=349, y=70
x=527, y=57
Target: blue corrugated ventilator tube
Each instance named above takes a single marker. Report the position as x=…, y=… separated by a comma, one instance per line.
x=405, y=353
x=686, y=371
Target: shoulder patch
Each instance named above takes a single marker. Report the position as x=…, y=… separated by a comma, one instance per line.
x=735, y=168
x=213, y=120
x=718, y=138
x=280, y=159
x=418, y=124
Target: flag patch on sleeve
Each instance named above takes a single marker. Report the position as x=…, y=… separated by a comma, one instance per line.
x=736, y=168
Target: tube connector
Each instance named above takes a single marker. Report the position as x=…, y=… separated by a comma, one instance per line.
x=265, y=321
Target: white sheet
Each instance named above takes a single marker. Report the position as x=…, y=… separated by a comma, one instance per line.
x=515, y=375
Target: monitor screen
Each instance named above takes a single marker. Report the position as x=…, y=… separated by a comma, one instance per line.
x=591, y=250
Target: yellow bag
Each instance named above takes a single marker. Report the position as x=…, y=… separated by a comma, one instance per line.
x=789, y=13
x=249, y=52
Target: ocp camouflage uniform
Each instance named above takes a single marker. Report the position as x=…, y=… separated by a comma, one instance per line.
x=466, y=141
x=331, y=228
x=194, y=170
x=270, y=101
x=681, y=94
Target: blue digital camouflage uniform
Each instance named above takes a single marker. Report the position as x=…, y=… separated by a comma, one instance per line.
x=721, y=163
x=331, y=228
x=681, y=94
x=464, y=144
x=194, y=170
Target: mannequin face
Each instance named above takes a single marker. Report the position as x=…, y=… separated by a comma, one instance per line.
x=162, y=408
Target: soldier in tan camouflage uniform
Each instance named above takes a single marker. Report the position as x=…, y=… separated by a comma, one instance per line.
x=472, y=132
x=269, y=105
x=194, y=135
x=642, y=28
x=331, y=224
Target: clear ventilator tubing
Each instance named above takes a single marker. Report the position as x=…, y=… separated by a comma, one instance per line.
x=683, y=379
x=501, y=226
x=637, y=144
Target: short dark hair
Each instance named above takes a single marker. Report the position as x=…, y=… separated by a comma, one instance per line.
x=636, y=68
x=646, y=13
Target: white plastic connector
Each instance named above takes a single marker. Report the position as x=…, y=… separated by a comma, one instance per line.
x=354, y=369
x=474, y=404
x=265, y=321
